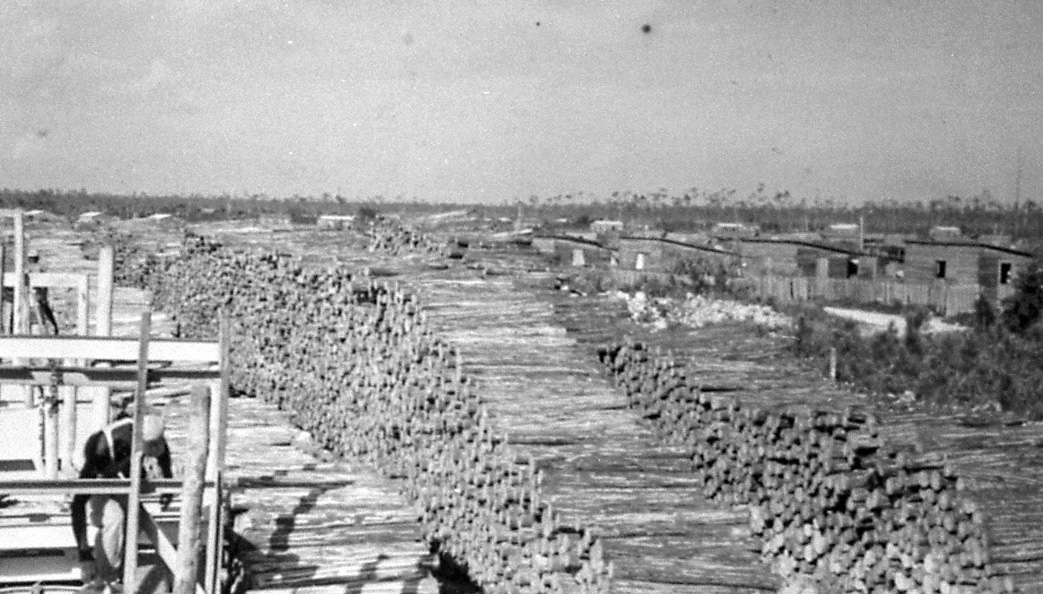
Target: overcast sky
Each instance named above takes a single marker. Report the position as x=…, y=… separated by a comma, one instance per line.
x=492, y=100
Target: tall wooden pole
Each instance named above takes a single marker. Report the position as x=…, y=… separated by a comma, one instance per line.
x=106, y=267
x=103, y=327
x=130, y=553
x=186, y=573
x=21, y=297
x=216, y=462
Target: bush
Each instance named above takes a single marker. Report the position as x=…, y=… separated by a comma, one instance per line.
x=1024, y=308
x=987, y=366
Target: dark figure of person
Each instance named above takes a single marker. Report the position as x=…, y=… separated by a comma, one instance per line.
x=45, y=314
x=107, y=455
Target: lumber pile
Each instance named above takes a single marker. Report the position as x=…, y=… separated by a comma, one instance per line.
x=303, y=523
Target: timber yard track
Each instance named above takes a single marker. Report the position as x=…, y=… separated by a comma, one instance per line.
x=599, y=465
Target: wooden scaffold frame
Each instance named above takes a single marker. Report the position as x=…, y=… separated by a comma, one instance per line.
x=51, y=362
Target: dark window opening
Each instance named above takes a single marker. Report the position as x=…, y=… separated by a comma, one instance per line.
x=1005, y=270
x=852, y=268
x=940, y=270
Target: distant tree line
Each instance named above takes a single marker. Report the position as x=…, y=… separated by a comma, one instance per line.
x=693, y=210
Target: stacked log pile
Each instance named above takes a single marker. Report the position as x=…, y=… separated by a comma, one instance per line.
x=999, y=467
x=831, y=499
x=359, y=368
x=393, y=237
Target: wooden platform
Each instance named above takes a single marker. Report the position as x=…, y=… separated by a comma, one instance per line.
x=308, y=525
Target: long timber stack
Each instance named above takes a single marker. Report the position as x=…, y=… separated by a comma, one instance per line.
x=599, y=466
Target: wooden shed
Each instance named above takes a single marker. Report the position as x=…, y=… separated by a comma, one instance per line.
x=991, y=267
x=331, y=221
x=665, y=255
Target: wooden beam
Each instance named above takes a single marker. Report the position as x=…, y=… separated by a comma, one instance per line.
x=114, y=377
x=21, y=297
x=219, y=402
x=20, y=317
x=100, y=397
x=83, y=306
x=5, y=322
x=130, y=552
x=106, y=268
x=50, y=280
x=68, y=429
x=166, y=550
x=90, y=486
x=107, y=349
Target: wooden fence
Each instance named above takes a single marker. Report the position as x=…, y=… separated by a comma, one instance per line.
x=944, y=298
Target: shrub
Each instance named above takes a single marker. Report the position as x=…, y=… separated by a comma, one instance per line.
x=1024, y=308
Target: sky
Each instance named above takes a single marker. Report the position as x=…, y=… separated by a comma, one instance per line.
x=496, y=100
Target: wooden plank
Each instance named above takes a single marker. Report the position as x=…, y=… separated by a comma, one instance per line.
x=89, y=486
x=49, y=280
x=113, y=377
x=166, y=550
x=106, y=267
x=83, y=306
x=107, y=349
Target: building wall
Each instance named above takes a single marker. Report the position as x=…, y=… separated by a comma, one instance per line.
x=776, y=259
x=566, y=252
x=629, y=248
x=961, y=263
x=663, y=256
x=543, y=245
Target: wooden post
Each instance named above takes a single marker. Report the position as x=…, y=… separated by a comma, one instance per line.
x=21, y=296
x=130, y=553
x=83, y=306
x=215, y=536
x=186, y=573
x=68, y=428
x=50, y=431
x=216, y=462
x=5, y=322
x=103, y=327
x=20, y=318
x=106, y=266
